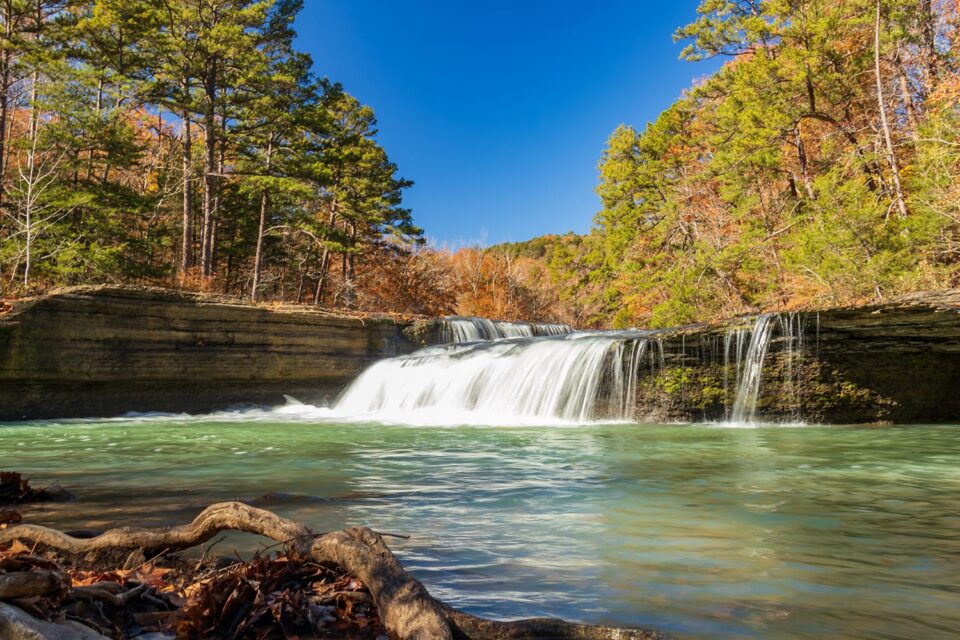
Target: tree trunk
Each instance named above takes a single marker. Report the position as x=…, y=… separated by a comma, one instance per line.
x=322, y=278
x=186, y=247
x=5, y=61
x=325, y=260
x=929, y=42
x=906, y=96
x=31, y=171
x=350, y=292
x=7, y=81
x=209, y=168
x=264, y=206
x=99, y=109
x=217, y=194
x=894, y=169
x=343, y=279
x=804, y=170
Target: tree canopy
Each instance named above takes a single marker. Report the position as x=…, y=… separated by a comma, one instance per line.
x=185, y=142
x=188, y=143
x=818, y=166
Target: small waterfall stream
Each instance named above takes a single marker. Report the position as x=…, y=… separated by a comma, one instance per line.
x=749, y=366
x=746, y=350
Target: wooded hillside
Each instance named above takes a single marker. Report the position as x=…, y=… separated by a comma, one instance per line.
x=187, y=143
x=818, y=166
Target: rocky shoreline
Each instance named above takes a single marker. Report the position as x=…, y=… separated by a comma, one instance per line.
x=132, y=583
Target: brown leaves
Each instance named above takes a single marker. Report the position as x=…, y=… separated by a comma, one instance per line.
x=278, y=598
x=116, y=603
x=270, y=597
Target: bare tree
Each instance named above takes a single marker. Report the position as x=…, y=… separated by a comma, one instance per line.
x=31, y=211
x=894, y=169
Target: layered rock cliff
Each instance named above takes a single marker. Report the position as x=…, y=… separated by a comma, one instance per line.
x=100, y=351
x=893, y=362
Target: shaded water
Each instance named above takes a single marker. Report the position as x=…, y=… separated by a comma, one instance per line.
x=703, y=531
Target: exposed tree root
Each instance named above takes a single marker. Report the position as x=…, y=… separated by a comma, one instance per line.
x=223, y=516
x=469, y=626
x=106, y=594
x=406, y=608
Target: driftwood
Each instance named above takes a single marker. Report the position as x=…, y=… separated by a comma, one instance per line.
x=407, y=609
x=26, y=584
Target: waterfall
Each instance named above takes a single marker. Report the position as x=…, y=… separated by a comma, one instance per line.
x=494, y=372
x=749, y=347
x=750, y=369
x=576, y=377
x=460, y=330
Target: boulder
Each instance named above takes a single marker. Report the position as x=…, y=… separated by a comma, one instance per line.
x=16, y=624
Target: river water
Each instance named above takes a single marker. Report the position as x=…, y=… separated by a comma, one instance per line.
x=703, y=531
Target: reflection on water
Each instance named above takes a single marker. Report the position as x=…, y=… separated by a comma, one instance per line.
x=811, y=532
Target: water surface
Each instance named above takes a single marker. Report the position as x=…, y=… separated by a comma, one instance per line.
x=702, y=531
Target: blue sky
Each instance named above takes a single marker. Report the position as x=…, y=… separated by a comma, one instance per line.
x=499, y=110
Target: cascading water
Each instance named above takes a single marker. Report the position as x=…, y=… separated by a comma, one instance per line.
x=751, y=369
x=749, y=347
x=573, y=378
x=503, y=373
x=460, y=330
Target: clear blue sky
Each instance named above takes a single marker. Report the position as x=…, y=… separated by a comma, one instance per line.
x=499, y=110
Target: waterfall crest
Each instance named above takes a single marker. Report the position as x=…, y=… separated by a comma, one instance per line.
x=459, y=330
x=577, y=377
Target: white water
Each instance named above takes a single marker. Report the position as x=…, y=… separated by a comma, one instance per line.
x=461, y=330
x=750, y=369
x=488, y=377
x=750, y=347
x=577, y=377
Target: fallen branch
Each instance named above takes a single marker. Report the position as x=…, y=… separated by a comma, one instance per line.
x=95, y=593
x=540, y=629
x=406, y=608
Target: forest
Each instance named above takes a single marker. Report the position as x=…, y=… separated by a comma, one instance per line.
x=187, y=143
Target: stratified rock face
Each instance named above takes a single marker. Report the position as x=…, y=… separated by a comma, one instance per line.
x=100, y=351
x=892, y=362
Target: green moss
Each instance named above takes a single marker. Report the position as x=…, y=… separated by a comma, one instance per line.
x=699, y=387
x=672, y=381
x=710, y=395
